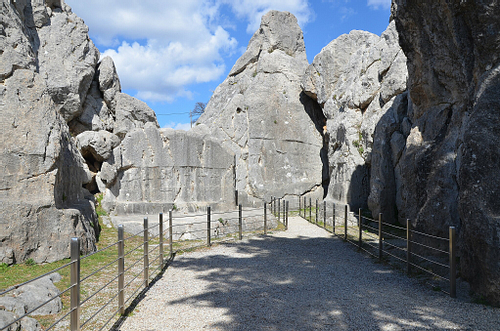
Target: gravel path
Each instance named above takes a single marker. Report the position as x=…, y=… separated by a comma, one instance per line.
x=301, y=279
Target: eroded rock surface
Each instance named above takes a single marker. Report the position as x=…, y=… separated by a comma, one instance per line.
x=260, y=113
x=43, y=202
x=359, y=80
x=449, y=169
x=151, y=170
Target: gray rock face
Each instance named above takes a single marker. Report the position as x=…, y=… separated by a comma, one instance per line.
x=449, y=169
x=260, y=113
x=66, y=59
x=357, y=80
x=43, y=202
x=99, y=144
x=28, y=297
x=131, y=113
x=109, y=83
x=153, y=169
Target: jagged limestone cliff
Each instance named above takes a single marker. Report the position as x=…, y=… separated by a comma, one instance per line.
x=359, y=80
x=260, y=113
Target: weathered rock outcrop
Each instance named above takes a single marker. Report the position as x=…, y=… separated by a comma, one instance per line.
x=450, y=169
x=151, y=170
x=260, y=113
x=359, y=80
x=43, y=202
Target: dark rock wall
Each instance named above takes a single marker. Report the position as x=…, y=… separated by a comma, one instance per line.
x=450, y=168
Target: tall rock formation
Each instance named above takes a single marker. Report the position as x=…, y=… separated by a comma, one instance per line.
x=450, y=169
x=43, y=203
x=359, y=81
x=260, y=113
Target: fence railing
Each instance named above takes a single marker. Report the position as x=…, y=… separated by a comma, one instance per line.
x=121, y=286
x=381, y=239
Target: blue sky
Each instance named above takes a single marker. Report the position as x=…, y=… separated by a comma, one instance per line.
x=172, y=54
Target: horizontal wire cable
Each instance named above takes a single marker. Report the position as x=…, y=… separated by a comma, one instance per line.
x=400, y=248
x=394, y=226
x=429, y=272
x=429, y=235
x=59, y=320
x=99, y=251
x=99, y=290
x=435, y=249
x=98, y=270
x=431, y=261
x=36, y=278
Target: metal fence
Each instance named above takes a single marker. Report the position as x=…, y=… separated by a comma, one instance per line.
x=140, y=254
x=424, y=252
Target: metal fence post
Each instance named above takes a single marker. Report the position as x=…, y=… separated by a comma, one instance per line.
x=160, y=229
x=241, y=221
x=279, y=209
x=316, y=211
x=345, y=226
x=304, y=214
x=170, y=234
x=453, y=266
x=286, y=213
x=265, y=218
x=310, y=210
x=334, y=220
x=380, y=236
x=360, y=242
x=408, y=246
x=75, y=283
x=236, y=197
x=273, y=205
x=146, y=253
x=300, y=203
x=121, y=268
x=208, y=225
x=324, y=214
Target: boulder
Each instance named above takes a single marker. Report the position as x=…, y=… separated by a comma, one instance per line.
x=449, y=168
x=26, y=324
x=97, y=145
x=260, y=113
x=357, y=80
x=131, y=113
x=28, y=297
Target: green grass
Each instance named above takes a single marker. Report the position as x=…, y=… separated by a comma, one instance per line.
x=19, y=273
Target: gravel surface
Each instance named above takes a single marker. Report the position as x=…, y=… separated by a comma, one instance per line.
x=301, y=279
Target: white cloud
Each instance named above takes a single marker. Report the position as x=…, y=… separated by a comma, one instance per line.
x=178, y=126
x=376, y=4
x=162, y=47
x=252, y=10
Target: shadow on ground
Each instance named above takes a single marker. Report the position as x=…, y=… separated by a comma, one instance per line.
x=320, y=283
